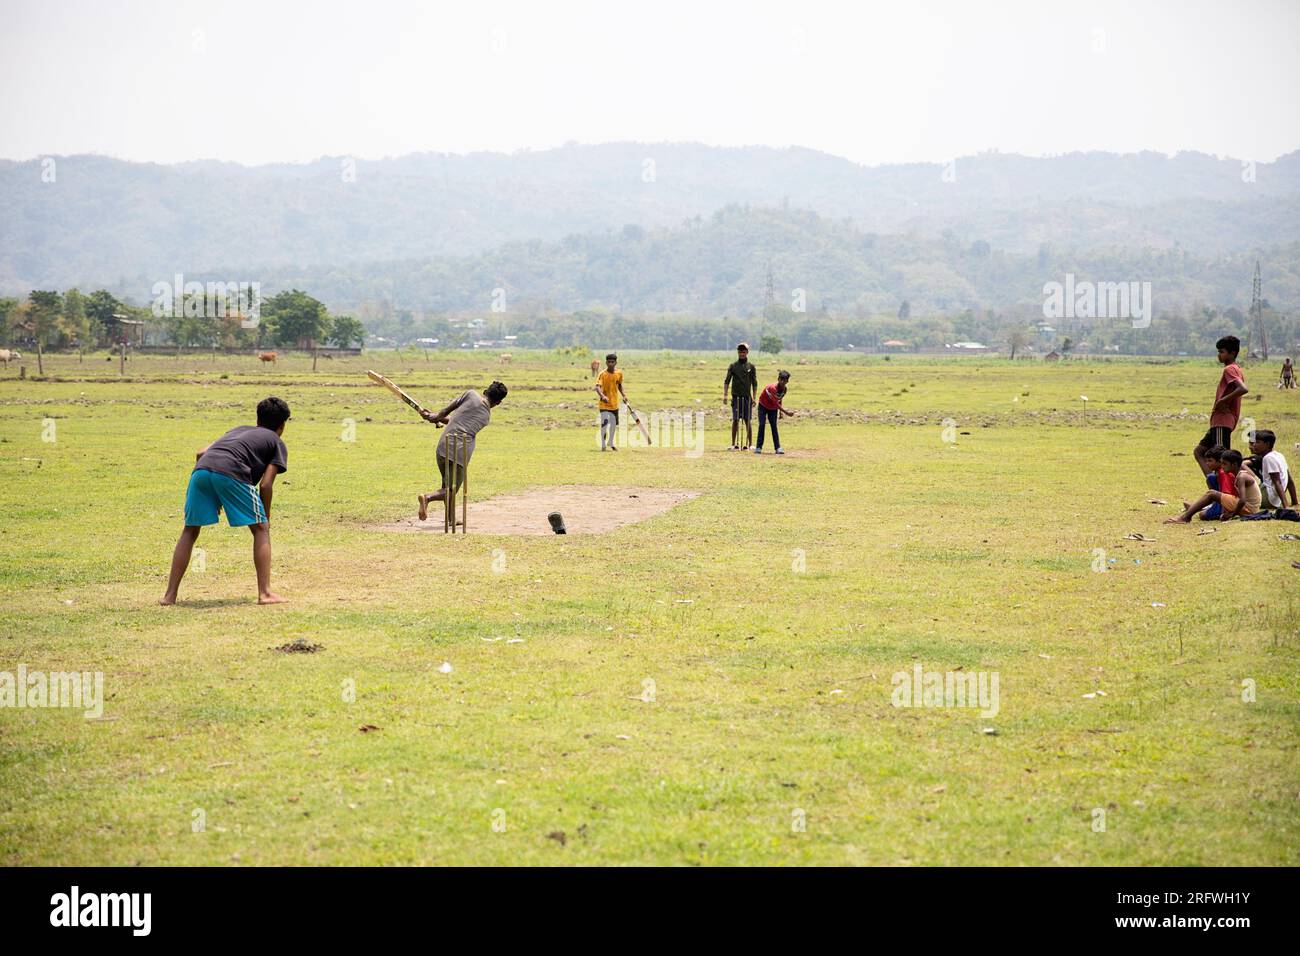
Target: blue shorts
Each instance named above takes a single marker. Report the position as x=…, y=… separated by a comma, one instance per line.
x=209, y=492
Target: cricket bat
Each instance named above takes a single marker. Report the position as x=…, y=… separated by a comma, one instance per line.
x=396, y=390
x=637, y=418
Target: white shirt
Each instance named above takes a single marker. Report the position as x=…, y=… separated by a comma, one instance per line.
x=1274, y=463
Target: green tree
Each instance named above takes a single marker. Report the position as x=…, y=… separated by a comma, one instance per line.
x=770, y=345
x=295, y=317
x=8, y=312
x=76, y=325
x=347, y=330
x=100, y=307
x=44, y=310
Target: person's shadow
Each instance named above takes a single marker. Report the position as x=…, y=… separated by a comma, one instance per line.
x=203, y=603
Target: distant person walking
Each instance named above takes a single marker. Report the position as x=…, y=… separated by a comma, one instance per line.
x=742, y=379
x=1287, y=379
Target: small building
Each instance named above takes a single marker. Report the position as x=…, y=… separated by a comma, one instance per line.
x=969, y=346
x=893, y=345
x=1052, y=356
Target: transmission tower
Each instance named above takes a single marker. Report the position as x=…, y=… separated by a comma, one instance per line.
x=1257, y=316
x=769, y=293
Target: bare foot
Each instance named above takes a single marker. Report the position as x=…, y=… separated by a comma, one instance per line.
x=1186, y=505
x=424, y=507
x=167, y=600
x=1179, y=520
x=270, y=598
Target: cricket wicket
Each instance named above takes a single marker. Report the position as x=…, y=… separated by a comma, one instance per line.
x=457, y=471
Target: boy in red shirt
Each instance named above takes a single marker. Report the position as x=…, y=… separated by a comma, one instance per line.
x=1218, y=480
x=770, y=409
x=1227, y=402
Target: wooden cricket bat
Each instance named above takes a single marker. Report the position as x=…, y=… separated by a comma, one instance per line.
x=396, y=390
x=637, y=418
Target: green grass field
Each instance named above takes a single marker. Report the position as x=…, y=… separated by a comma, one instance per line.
x=769, y=616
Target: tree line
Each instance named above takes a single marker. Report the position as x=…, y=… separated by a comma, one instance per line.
x=49, y=319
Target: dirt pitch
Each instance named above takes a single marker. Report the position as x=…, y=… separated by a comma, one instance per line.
x=587, y=509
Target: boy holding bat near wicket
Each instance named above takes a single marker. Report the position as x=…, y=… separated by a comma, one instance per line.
x=467, y=415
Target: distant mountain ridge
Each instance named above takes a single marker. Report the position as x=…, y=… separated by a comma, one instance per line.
x=719, y=266
x=127, y=225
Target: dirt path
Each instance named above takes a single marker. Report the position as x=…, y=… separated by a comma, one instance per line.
x=587, y=509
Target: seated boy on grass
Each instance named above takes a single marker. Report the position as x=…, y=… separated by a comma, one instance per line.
x=1274, y=473
x=1218, y=480
x=236, y=472
x=1246, y=501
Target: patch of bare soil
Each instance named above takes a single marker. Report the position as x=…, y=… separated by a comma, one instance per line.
x=587, y=509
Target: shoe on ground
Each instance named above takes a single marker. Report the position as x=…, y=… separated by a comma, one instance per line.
x=779, y=452
x=758, y=451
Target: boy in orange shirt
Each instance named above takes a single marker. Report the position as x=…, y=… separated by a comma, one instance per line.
x=609, y=386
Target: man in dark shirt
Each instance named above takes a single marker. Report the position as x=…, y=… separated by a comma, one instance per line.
x=236, y=472
x=742, y=379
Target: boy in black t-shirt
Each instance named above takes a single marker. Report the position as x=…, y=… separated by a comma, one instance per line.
x=236, y=472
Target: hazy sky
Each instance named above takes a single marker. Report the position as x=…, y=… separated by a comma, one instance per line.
x=266, y=81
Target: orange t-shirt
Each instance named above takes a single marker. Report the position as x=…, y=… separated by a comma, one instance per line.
x=609, y=383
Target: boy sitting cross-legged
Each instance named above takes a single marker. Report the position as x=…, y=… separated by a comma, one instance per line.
x=1218, y=480
x=1246, y=501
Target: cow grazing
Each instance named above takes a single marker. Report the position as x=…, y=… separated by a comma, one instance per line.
x=266, y=356
x=6, y=356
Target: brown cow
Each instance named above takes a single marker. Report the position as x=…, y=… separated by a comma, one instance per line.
x=266, y=356
x=6, y=356
x=595, y=367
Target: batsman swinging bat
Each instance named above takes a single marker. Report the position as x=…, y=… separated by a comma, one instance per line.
x=637, y=418
x=396, y=390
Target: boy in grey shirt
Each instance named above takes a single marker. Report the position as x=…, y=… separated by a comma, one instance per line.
x=467, y=415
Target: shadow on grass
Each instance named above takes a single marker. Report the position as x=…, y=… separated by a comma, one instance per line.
x=203, y=603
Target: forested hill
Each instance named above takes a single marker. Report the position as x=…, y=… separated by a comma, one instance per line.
x=90, y=220
x=718, y=265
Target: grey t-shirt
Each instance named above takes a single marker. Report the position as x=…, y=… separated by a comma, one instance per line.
x=244, y=452
x=470, y=416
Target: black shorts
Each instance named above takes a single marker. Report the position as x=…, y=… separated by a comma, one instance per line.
x=742, y=408
x=1217, y=435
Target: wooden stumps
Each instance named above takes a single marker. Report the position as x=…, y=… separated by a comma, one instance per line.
x=457, y=473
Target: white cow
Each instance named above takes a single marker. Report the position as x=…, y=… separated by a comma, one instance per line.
x=7, y=356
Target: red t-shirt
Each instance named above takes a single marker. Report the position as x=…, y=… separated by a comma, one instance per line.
x=1227, y=482
x=1231, y=373
x=768, y=398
